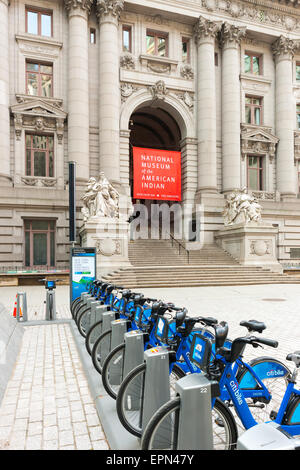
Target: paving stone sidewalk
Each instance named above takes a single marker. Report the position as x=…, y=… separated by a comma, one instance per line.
x=47, y=404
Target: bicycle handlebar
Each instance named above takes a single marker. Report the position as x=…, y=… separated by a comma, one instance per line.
x=268, y=342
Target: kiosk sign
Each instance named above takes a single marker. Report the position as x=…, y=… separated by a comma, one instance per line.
x=83, y=270
x=156, y=174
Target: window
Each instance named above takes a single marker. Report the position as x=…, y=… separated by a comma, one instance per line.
x=253, y=63
x=185, y=50
x=39, y=155
x=39, y=78
x=92, y=36
x=298, y=116
x=157, y=43
x=39, y=242
x=38, y=22
x=126, y=39
x=253, y=110
x=298, y=71
x=255, y=173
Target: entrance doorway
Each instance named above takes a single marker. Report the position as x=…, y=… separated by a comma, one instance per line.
x=152, y=127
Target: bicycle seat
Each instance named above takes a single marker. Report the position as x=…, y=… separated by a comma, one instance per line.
x=295, y=357
x=254, y=325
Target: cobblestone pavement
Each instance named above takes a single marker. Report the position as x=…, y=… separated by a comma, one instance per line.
x=48, y=405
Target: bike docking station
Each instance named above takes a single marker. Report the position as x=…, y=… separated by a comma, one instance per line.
x=157, y=382
x=134, y=350
x=267, y=436
x=195, y=431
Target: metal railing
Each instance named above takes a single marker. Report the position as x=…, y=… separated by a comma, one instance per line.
x=180, y=246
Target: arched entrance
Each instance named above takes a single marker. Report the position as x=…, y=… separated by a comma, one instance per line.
x=164, y=124
x=152, y=128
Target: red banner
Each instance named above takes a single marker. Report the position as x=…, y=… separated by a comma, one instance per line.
x=156, y=174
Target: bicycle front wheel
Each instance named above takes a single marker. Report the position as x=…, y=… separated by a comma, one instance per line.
x=274, y=375
x=101, y=349
x=161, y=433
x=130, y=397
x=112, y=371
x=92, y=336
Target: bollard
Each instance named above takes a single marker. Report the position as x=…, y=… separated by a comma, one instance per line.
x=195, y=431
x=157, y=382
x=24, y=306
x=134, y=350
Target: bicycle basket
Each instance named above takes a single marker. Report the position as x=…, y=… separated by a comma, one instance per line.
x=165, y=329
x=200, y=353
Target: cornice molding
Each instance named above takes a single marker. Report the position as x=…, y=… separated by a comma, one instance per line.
x=273, y=13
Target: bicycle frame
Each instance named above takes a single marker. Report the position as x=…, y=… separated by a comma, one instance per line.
x=230, y=390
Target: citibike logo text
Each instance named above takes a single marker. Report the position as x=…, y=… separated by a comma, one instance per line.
x=275, y=373
x=236, y=392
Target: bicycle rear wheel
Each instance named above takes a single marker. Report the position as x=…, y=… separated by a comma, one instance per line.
x=129, y=402
x=161, y=433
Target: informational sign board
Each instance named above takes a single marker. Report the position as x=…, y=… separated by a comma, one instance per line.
x=156, y=174
x=83, y=270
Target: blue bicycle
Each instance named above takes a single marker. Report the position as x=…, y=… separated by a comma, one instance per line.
x=176, y=334
x=233, y=391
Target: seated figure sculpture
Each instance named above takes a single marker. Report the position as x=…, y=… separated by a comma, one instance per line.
x=101, y=199
x=241, y=207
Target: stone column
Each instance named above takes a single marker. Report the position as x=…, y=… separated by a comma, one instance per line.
x=283, y=49
x=78, y=86
x=5, y=178
x=231, y=106
x=205, y=35
x=109, y=89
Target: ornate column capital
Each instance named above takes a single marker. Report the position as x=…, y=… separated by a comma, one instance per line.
x=206, y=29
x=283, y=47
x=231, y=34
x=112, y=8
x=6, y=2
x=84, y=5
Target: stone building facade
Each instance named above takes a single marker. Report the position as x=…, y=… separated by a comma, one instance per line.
x=85, y=80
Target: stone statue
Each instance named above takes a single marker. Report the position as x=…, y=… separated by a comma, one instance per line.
x=101, y=199
x=241, y=207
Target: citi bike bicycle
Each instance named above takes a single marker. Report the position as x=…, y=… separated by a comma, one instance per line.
x=162, y=430
x=260, y=368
